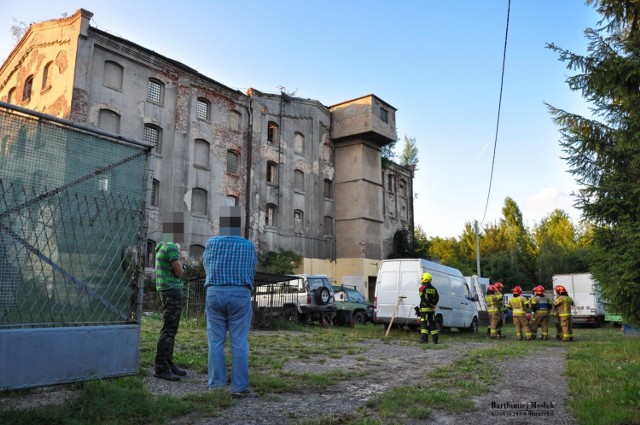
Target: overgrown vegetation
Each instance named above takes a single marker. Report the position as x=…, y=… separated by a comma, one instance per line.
x=608, y=394
x=280, y=262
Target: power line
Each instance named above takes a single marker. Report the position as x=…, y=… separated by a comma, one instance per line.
x=495, y=142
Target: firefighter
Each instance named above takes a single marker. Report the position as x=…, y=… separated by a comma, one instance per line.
x=519, y=305
x=493, y=308
x=556, y=322
x=540, y=307
x=562, y=305
x=428, y=300
x=500, y=298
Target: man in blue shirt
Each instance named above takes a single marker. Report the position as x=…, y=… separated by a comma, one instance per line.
x=230, y=264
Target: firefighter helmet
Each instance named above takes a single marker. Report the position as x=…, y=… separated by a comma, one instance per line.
x=491, y=289
x=538, y=290
x=560, y=290
x=426, y=277
x=498, y=286
x=517, y=290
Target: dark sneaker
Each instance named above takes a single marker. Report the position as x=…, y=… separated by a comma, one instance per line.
x=243, y=394
x=168, y=375
x=179, y=372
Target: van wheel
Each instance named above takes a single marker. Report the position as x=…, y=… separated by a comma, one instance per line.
x=322, y=296
x=360, y=318
x=290, y=315
x=474, y=325
x=439, y=325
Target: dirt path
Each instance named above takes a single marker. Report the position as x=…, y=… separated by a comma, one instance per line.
x=531, y=390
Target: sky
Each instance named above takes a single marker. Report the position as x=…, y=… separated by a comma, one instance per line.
x=437, y=62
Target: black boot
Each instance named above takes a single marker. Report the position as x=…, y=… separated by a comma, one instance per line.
x=424, y=339
x=177, y=371
x=435, y=338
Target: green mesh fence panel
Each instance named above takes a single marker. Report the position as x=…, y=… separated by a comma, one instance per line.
x=72, y=217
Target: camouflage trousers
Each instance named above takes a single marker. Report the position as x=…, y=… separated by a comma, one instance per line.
x=171, y=311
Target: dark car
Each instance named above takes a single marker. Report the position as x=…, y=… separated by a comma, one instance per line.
x=351, y=306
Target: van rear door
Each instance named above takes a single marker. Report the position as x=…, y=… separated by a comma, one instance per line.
x=464, y=305
x=387, y=290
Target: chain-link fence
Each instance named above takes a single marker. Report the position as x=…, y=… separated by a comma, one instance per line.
x=72, y=224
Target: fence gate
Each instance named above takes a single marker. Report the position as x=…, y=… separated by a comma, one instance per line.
x=72, y=227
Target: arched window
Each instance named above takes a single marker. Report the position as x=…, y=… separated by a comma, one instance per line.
x=155, y=91
x=113, y=74
x=270, y=216
x=231, y=201
x=235, y=119
x=155, y=193
x=11, y=94
x=232, y=162
x=109, y=121
x=402, y=187
x=150, y=258
x=203, y=109
x=298, y=142
x=201, y=153
x=298, y=219
x=46, y=78
x=196, y=251
x=298, y=180
x=272, y=172
x=26, y=91
x=272, y=132
x=328, y=226
x=153, y=134
x=328, y=189
x=199, y=201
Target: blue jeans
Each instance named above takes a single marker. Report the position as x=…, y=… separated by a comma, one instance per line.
x=228, y=309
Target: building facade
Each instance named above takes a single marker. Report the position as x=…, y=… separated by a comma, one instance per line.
x=308, y=177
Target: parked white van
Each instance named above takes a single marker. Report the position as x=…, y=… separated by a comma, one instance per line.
x=396, y=294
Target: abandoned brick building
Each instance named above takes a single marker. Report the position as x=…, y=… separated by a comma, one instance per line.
x=309, y=178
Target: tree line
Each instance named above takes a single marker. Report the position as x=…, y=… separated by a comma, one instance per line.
x=510, y=252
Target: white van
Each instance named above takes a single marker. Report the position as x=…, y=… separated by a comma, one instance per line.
x=400, y=278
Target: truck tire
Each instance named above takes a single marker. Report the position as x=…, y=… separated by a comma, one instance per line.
x=325, y=319
x=290, y=315
x=322, y=296
x=360, y=317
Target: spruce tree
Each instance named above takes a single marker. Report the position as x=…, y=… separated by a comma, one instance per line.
x=603, y=151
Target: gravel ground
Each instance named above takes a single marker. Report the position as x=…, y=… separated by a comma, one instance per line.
x=523, y=394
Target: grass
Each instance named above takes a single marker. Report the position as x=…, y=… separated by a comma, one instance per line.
x=457, y=383
x=603, y=370
x=604, y=378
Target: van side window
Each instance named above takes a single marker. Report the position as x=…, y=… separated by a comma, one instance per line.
x=458, y=287
x=467, y=291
